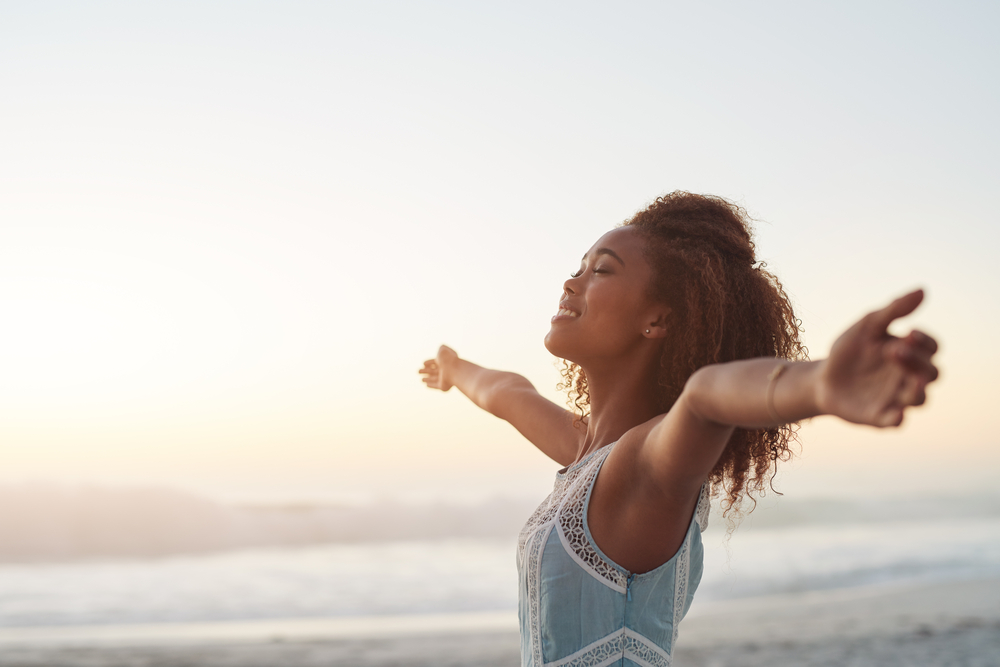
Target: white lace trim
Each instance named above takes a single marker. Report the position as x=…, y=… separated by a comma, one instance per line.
x=571, y=519
x=604, y=651
x=574, y=550
x=534, y=576
x=607, y=650
x=534, y=535
x=546, y=511
x=540, y=517
x=681, y=586
x=704, y=508
x=564, y=509
x=643, y=651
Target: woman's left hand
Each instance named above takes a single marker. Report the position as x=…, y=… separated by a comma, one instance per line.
x=871, y=376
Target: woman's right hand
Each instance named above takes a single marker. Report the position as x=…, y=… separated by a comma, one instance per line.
x=437, y=372
x=511, y=397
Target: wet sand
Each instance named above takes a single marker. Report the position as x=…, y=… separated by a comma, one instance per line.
x=916, y=625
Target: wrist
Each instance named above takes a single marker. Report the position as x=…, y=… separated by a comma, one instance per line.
x=448, y=362
x=460, y=368
x=447, y=357
x=797, y=393
x=816, y=393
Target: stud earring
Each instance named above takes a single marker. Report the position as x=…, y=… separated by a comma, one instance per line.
x=647, y=330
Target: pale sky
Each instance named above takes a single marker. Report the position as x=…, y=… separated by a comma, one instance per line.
x=231, y=232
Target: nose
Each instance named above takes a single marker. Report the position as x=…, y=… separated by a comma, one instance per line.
x=568, y=286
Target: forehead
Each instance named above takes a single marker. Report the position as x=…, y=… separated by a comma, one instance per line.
x=623, y=241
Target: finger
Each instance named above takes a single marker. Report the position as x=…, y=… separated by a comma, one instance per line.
x=890, y=417
x=915, y=361
x=901, y=307
x=922, y=340
x=928, y=372
x=913, y=392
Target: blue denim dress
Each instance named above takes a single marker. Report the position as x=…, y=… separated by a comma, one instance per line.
x=578, y=608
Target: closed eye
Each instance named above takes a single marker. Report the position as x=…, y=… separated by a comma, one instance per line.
x=596, y=269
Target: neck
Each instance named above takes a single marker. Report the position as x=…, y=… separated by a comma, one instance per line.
x=622, y=396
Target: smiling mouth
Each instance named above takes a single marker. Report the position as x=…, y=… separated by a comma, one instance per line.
x=567, y=313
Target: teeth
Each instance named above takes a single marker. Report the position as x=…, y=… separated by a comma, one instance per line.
x=563, y=311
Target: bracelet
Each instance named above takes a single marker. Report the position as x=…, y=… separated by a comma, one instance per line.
x=772, y=382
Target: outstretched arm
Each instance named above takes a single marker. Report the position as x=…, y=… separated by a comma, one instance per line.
x=870, y=377
x=511, y=397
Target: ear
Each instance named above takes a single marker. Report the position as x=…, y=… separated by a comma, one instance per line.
x=657, y=324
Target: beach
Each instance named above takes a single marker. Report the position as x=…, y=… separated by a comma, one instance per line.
x=952, y=623
x=944, y=623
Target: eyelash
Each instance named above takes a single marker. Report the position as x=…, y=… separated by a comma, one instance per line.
x=580, y=273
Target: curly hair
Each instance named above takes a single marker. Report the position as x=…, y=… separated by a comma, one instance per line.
x=724, y=306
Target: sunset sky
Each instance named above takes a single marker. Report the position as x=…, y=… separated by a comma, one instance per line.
x=231, y=232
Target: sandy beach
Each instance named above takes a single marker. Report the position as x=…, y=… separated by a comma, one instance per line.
x=940, y=624
x=932, y=624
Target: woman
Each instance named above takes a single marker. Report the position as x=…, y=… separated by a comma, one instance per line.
x=684, y=364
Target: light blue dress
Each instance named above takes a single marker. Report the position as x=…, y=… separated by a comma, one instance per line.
x=578, y=608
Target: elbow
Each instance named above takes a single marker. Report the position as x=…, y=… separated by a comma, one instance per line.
x=498, y=399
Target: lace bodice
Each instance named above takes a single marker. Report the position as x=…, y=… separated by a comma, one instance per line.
x=579, y=608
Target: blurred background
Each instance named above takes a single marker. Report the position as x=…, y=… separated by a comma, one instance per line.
x=230, y=233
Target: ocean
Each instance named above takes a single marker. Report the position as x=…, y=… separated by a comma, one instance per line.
x=791, y=547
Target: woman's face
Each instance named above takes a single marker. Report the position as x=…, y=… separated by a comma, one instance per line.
x=605, y=308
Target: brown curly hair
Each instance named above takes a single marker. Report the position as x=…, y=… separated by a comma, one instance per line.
x=724, y=306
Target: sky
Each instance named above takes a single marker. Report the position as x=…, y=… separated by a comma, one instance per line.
x=230, y=233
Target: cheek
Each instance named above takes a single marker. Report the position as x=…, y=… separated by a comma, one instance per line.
x=617, y=312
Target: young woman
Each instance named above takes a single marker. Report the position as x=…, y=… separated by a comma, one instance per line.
x=684, y=364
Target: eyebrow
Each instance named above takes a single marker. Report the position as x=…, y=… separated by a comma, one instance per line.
x=605, y=251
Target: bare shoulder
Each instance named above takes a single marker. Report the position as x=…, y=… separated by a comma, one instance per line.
x=636, y=521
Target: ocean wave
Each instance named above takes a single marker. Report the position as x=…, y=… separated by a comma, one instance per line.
x=43, y=522
x=40, y=522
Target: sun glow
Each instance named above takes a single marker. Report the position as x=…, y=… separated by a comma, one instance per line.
x=226, y=247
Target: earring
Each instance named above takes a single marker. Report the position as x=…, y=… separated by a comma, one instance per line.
x=647, y=330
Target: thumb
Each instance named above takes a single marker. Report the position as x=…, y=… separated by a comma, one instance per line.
x=901, y=307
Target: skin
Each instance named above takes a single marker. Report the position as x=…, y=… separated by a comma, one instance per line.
x=646, y=492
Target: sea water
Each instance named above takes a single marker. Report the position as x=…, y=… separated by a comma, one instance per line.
x=468, y=575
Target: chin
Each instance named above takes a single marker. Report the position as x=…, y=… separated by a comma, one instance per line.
x=557, y=347
x=551, y=344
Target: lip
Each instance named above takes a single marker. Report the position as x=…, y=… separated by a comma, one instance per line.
x=562, y=316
